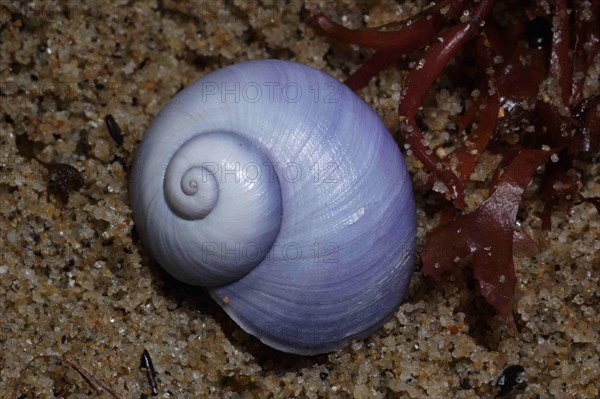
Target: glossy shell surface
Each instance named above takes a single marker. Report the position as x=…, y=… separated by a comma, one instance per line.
x=277, y=187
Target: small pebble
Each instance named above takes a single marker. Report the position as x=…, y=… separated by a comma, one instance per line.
x=511, y=377
x=114, y=129
x=62, y=180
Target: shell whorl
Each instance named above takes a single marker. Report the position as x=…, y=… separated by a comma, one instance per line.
x=215, y=182
x=293, y=204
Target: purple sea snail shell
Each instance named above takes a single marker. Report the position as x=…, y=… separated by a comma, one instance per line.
x=277, y=188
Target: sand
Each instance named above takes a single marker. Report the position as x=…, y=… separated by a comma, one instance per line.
x=75, y=282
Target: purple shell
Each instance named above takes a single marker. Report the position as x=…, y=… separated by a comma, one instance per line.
x=278, y=188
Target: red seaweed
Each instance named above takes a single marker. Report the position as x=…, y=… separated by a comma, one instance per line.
x=587, y=119
x=559, y=60
x=416, y=30
x=390, y=45
x=487, y=234
x=523, y=244
x=530, y=75
x=381, y=60
x=587, y=44
x=487, y=113
x=421, y=79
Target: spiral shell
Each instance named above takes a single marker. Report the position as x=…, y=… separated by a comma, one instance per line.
x=280, y=190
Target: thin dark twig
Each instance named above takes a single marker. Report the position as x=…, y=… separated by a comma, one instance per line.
x=89, y=378
x=146, y=363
